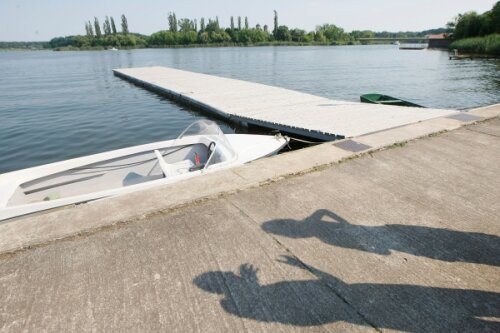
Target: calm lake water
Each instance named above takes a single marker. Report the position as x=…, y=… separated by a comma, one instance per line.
x=60, y=105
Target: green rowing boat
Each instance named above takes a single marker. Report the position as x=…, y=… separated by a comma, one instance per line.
x=386, y=100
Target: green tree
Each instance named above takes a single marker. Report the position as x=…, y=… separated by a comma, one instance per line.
x=203, y=37
x=212, y=26
x=87, y=31
x=495, y=17
x=91, y=29
x=246, y=23
x=309, y=37
x=219, y=36
x=283, y=33
x=319, y=37
x=202, y=24
x=113, y=26
x=97, y=27
x=298, y=35
x=239, y=22
x=172, y=22
x=124, y=25
x=232, y=23
x=188, y=37
x=186, y=25
x=468, y=25
x=472, y=24
x=107, y=26
x=163, y=38
x=333, y=33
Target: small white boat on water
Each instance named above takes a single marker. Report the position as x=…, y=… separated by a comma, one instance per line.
x=201, y=148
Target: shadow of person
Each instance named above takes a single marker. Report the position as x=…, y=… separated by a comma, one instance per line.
x=435, y=243
x=315, y=302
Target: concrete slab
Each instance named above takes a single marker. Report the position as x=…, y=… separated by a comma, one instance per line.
x=203, y=269
x=402, y=239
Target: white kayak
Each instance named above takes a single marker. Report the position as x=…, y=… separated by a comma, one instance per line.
x=201, y=148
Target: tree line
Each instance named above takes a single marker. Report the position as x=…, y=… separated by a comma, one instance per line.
x=109, y=27
x=477, y=33
x=472, y=24
x=204, y=31
x=187, y=31
x=101, y=36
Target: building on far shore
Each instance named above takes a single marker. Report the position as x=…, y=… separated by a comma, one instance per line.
x=439, y=41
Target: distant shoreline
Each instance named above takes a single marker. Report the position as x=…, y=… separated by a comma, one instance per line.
x=473, y=47
x=177, y=46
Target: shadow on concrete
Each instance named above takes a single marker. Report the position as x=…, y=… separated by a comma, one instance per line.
x=314, y=302
x=435, y=243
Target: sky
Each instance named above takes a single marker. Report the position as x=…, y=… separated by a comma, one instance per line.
x=41, y=20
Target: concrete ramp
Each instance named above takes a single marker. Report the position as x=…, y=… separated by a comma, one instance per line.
x=273, y=107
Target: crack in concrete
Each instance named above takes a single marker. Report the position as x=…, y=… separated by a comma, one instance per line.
x=481, y=132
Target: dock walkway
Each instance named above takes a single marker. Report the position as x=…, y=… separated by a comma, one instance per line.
x=273, y=107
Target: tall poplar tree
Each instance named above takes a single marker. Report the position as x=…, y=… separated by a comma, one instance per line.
x=107, y=26
x=232, y=23
x=113, y=26
x=91, y=30
x=124, y=25
x=246, y=23
x=202, y=24
x=97, y=27
x=239, y=22
x=275, y=31
x=172, y=22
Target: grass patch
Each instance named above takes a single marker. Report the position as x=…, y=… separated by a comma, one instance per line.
x=489, y=44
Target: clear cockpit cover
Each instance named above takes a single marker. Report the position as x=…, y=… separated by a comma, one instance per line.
x=209, y=129
x=201, y=127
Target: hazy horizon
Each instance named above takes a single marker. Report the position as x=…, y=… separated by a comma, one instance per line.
x=30, y=20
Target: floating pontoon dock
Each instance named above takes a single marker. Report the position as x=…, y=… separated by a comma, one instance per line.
x=273, y=107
